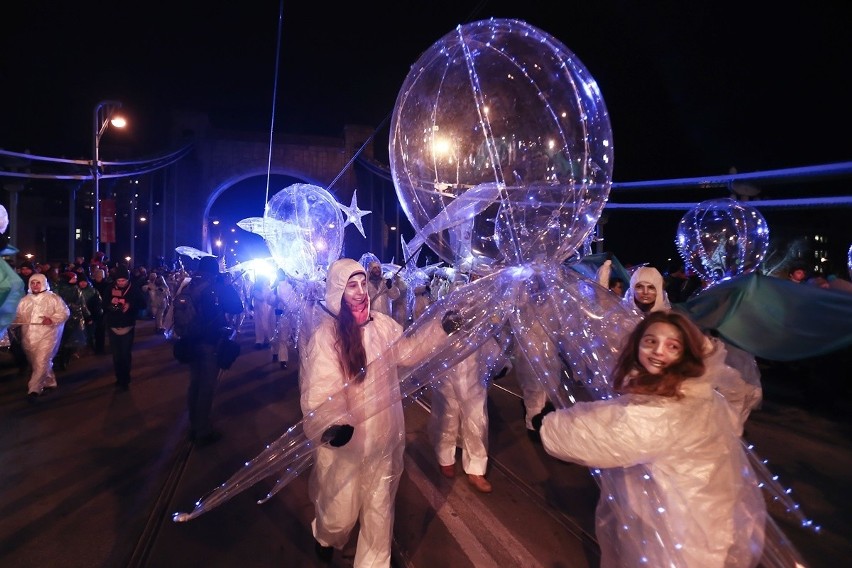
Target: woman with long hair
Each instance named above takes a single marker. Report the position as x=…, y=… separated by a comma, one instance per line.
x=670, y=417
x=351, y=403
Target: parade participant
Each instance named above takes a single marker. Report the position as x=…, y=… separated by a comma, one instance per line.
x=383, y=292
x=671, y=419
x=42, y=315
x=347, y=373
x=647, y=291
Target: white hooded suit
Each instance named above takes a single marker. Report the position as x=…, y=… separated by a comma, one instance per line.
x=41, y=342
x=358, y=481
x=712, y=504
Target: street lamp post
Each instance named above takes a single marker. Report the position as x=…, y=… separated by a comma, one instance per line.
x=103, y=116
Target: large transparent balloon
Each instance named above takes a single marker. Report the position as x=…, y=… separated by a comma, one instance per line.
x=501, y=148
x=501, y=153
x=303, y=228
x=722, y=238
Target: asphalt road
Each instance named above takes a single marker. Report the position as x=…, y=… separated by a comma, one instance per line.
x=91, y=476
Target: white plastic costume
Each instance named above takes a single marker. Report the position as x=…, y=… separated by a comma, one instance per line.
x=459, y=409
x=712, y=504
x=381, y=297
x=358, y=481
x=287, y=301
x=652, y=275
x=40, y=341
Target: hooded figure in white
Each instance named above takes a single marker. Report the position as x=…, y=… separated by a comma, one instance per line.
x=460, y=413
x=356, y=470
x=42, y=315
x=383, y=292
x=690, y=448
x=647, y=291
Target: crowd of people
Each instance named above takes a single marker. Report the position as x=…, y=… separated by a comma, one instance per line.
x=683, y=397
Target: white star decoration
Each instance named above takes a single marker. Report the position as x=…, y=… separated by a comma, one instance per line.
x=353, y=214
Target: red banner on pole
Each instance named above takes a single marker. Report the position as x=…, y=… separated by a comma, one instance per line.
x=107, y=220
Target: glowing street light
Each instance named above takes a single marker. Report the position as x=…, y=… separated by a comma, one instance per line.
x=103, y=117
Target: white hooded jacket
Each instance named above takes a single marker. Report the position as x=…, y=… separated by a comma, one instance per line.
x=41, y=342
x=692, y=450
x=357, y=481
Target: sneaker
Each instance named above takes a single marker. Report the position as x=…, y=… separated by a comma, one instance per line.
x=448, y=471
x=324, y=553
x=479, y=483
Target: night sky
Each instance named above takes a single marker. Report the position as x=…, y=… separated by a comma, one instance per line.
x=692, y=88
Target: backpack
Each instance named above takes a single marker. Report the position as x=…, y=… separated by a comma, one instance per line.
x=195, y=310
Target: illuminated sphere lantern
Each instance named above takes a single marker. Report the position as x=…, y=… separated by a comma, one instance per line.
x=849, y=261
x=501, y=147
x=722, y=238
x=303, y=228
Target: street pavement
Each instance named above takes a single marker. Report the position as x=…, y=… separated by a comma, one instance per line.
x=91, y=475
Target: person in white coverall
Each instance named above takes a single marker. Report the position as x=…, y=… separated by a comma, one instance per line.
x=647, y=291
x=679, y=416
x=42, y=315
x=460, y=413
x=285, y=305
x=350, y=398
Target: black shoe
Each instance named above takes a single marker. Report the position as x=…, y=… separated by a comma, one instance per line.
x=283, y=365
x=258, y=346
x=534, y=436
x=274, y=357
x=32, y=397
x=208, y=439
x=324, y=553
x=124, y=387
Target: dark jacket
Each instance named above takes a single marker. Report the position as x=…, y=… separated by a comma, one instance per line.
x=115, y=315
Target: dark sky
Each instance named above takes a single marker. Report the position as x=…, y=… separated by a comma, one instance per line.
x=692, y=88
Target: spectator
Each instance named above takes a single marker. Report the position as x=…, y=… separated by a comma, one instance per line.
x=103, y=287
x=94, y=311
x=204, y=363
x=798, y=272
x=122, y=307
x=74, y=333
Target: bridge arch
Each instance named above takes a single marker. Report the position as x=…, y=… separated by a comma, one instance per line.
x=221, y=159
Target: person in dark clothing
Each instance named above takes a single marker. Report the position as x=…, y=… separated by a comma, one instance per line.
x=25, y=271
x=204, y=364
x=103, y=286
x=94, y=313
x=122, y=305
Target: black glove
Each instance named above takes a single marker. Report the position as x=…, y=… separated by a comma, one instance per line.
x=452, y=321
x=503, y=372
x=337, y=435
x=389, y=283
x=538, y=418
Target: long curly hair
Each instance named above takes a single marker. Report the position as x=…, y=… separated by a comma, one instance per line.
x=350, y=344
x=630, y=377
